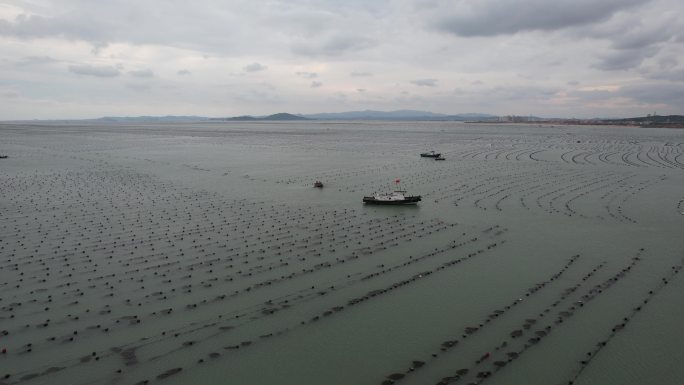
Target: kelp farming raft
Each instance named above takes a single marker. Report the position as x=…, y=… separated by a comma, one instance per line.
x=117, y=268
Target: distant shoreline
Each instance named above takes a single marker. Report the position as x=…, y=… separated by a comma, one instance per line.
x=588, y=123
x=649, y=121
x=97, y=122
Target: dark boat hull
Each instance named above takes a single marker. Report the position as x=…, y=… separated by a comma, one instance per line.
x=430, y=155
x=407, y=201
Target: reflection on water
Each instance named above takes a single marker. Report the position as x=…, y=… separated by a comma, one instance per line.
x=202, y=254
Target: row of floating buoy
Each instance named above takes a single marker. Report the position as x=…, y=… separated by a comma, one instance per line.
x=538, y=334
x=449, y=344
x=325, y=314
x=543, y=331
x=615, y=330
x=155, y=254
x=370, y=295
x=163, y=264
x=562, y=209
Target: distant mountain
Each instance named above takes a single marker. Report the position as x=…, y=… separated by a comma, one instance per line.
x=406, y=115
x=149, y=119
x=279, y=116
x=239, y=118
x=284, y=116
x=375, y=115
x=396, y=115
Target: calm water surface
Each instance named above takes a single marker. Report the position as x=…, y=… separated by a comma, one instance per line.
x=201, y=254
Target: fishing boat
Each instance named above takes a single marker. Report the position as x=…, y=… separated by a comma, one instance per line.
x=430, y=154
x=318, y=184
x=393, y=198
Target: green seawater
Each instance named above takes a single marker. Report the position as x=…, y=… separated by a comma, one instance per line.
x=202, y=254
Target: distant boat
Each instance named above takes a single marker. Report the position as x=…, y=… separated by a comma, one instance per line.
x=318, y=184
x=430, y=154
x=4, y=156
x=393, y=198
x=440, y=158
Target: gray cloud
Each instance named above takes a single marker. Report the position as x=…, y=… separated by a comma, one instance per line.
x=633, y=37
x=360, y=74
x=639, y=93
x=146, y=73
x=69, y=25
x=592, y=95
x=498, y=17
x=521, y=92
x=183, y=72
x=254, y=67
x=625, y=59
x=674, y=75
x=138, y=87
x=425, y=82
x=631, y=30
x=130, y=21
x=97, y=71
x=37, y=60
x=252, y=96
x=9, y=94
x=668, y=62
x=637, y=38
x=332, y=45
x=654, y=93
x=307, y=75
x=315, y=84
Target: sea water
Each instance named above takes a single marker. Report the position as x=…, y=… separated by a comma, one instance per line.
x=202, y=254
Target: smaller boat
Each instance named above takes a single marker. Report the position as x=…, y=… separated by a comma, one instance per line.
x=440, y=158
x=4, y=156
x=393, y=198
x=318, y=184
x=430, y=154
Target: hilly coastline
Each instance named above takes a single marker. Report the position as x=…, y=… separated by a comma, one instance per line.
x=668, y=121
x=366, y=115
x=278, y=116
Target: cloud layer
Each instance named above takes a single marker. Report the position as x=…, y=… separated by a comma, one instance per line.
x=80, y=58
x=500, y=17
x=97, y=71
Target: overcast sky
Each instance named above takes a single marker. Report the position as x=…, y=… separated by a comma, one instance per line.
x=566, y=58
